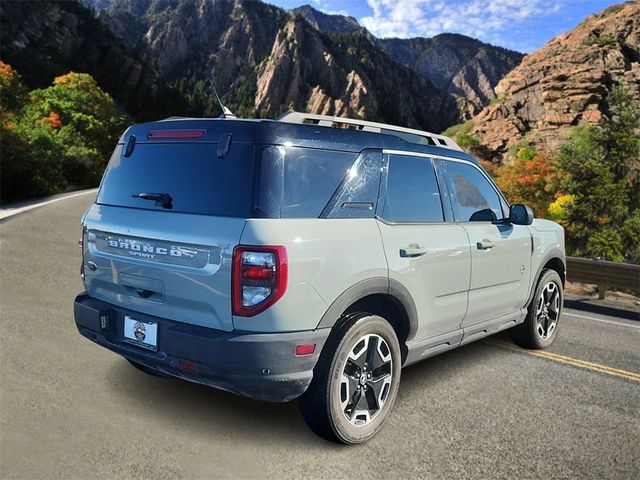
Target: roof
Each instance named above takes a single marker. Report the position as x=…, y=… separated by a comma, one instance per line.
x=310, y=134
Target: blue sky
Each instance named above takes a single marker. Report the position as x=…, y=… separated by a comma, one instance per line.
x=523, y=25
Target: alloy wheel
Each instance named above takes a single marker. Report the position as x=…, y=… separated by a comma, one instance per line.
x=547, y=310
x=366, y=379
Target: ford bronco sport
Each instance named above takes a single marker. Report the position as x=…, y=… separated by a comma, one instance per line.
x=310, y=257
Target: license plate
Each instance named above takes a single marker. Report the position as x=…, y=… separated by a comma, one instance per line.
x=141, y=333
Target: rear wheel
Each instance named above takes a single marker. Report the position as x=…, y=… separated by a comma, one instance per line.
x=541, y=325
x=355, y=382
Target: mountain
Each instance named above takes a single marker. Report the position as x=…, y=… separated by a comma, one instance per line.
x=327, y=23
x=461, y=66
x=265, y=61
x=563, y=85
x=159, y=58
x=42, y=40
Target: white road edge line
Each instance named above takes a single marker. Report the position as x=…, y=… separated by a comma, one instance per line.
x=10, y=212
x=602, y=320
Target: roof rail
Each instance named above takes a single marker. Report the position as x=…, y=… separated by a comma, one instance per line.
x=407, y=134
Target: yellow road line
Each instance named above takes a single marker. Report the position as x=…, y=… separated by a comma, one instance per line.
x=596, y=367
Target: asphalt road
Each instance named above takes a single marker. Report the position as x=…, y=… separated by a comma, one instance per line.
x=69, y=409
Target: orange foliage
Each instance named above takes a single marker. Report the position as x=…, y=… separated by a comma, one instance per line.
x=54, y=120
x=5, y=69
x=529, y=181
x=66, y=78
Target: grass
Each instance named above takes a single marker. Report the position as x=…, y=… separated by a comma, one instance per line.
x=600, y=41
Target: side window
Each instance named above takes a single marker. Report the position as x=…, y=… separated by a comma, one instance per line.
x=473, y=198
x=412, y=191
x=358, y=193
x=298, y=182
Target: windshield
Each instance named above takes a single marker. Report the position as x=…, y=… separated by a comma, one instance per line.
x=181, y=177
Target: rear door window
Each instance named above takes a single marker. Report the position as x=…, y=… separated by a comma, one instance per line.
x=190, y=173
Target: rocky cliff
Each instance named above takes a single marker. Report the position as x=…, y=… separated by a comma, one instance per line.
x=346, y=77
x=264, y=61
x=158, y=58
x=564, y=84
x=327, y=23
x=42, y=40
x=461, y=66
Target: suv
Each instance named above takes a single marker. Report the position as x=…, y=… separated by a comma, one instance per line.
x=310, y=257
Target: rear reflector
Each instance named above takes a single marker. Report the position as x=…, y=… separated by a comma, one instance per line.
x=163, y=134
x=189, y=366
x=305, y=349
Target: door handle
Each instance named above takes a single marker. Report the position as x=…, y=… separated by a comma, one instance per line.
x=485, y=244
x=412, y=251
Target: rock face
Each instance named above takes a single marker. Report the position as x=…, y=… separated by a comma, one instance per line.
x=42, y=40
x=67, y=32
x=346, y=78
x=564, y=84
x=459, y=65
x=265, y=60
x=327, y=23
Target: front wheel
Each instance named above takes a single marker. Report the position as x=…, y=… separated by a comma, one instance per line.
x=540, y=328
x=355, y=382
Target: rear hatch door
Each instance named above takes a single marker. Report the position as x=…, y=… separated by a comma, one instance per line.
x=160, y=238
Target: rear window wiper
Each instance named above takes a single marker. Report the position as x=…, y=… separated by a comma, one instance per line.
x=163, y=200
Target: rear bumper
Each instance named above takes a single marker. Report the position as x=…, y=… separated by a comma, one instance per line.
x=262, y=366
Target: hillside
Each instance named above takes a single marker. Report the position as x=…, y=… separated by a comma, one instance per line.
x=327, y=23
x=563, y=85
x=159, y=58
x=464, y=67
x=461, y=66
x=43, y=40
x=265, y=61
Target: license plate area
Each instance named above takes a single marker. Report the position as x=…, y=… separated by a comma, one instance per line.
x=141, y=333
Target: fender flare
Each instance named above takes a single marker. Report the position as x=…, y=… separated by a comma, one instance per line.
x=372, y=286
x=554, y=253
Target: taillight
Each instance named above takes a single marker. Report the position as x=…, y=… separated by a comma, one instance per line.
x=259, y=278
x=81, y=244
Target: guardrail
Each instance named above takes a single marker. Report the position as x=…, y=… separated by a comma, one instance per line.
x=604, y=274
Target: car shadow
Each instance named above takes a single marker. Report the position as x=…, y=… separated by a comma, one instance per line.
x=204, y=410
x=215, y=413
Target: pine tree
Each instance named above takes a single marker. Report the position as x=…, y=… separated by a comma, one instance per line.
x=600, y=167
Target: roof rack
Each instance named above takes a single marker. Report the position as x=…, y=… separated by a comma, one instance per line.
x=407, y=134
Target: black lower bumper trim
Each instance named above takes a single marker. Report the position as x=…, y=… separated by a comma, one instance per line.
x=262, y=366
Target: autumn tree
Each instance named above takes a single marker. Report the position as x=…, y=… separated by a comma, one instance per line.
x=24, y=171
x=56, y=138
x=530, y=179
x=81, y=118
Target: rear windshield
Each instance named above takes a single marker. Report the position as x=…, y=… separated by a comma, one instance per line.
x=191, y=174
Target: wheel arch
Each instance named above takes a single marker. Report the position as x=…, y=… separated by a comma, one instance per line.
x=379, y=296
x=554, y=260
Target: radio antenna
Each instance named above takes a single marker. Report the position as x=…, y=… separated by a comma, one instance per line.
x=226, y=113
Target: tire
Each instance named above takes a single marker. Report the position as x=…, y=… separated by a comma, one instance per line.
x=540, y=327
x=148, y=370
x=345, y=403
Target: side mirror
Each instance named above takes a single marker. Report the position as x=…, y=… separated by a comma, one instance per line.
x=520, y=214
